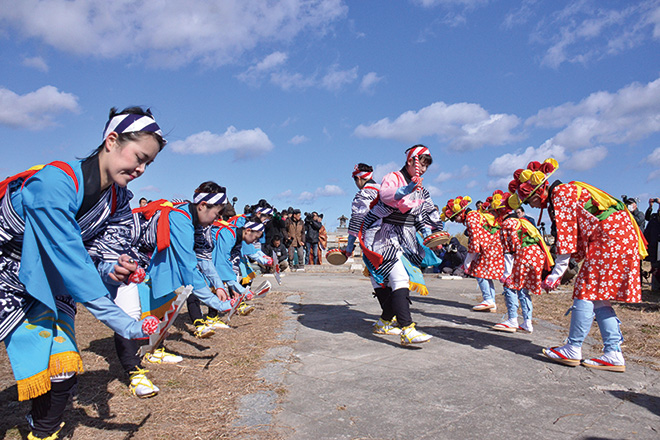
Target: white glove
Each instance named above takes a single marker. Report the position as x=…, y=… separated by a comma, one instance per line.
x=468, y=260
x=561, y=264
x=508, y=267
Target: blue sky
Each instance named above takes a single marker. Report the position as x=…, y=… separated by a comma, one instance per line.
x=279, y=99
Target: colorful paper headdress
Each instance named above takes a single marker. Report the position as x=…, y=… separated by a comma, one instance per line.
x=455, y=207
x=527, y=181
x=499, y=200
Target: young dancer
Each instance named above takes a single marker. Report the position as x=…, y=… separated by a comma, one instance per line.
x=525, y=256
x=366, y=195
x=390, y=247
x=64, y=229
x=229, y=254
x=169, y=233
x=592, y=226
x=485, y=259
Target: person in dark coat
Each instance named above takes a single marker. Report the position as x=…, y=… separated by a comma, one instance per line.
x=312, y=227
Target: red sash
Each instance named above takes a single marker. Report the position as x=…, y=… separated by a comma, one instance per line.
x=163, y=228
x=221, y=224
x=34, y=170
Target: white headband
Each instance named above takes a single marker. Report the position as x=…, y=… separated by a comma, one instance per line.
x=254, y=226
x=131, y=123
x=210, y=198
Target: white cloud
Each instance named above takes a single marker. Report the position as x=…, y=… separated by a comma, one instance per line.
x=255, y=72
x=369, y=81
x=472, y=184
x=465, y=126
x=271, y=61
x=630, y=114
x=336, y=79
x=381, y=170
x=168, y=32
x=288, y=121
x=36, y=63
x=288, y=81
x=333, y=80
x=586, y=159
x=307, y=197
x=463, y=173
x=241, y=142
x=501, y=183
x=284, y=194
x=506, y=164
x=448, y=3
x=434, y=191
x=327, y=191
x=298, y=139
x=273, y=67
x=443, y=177
x=588, y=30
x=520, y=15
x=35, y=110
x=654, y=157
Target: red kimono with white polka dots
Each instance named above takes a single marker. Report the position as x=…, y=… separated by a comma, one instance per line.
x=489, y=264
x=609, y=247
x=528, y=261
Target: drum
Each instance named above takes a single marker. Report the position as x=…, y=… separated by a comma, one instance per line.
x=437, y=239
x=336, y=257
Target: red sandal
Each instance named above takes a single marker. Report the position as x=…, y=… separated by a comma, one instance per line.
x=559, y=357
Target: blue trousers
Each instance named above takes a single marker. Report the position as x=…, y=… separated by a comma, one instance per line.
x=582, y=316
x=487, y=289
x=512, y=297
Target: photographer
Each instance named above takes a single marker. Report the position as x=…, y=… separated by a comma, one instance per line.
x=631, y=203
x=295, y=229
x=652, y=234
x=453, y=258
x=312, y=227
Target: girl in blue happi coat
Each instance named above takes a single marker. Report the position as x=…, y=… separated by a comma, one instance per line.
x=232, y=246
x=169, y=232
x=64, y=228
x=163, y=240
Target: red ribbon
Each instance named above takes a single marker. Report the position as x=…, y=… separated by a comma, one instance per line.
x=163, y=228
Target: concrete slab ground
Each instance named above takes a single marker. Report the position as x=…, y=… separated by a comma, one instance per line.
x=468, y=382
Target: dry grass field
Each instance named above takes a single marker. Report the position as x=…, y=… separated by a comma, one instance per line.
x=198, y=399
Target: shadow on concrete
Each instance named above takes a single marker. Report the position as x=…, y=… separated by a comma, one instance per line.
x=332, y=318
x=340, y=318
x=652, y=403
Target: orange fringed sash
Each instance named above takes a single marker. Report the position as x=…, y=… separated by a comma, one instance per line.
x=39, y=384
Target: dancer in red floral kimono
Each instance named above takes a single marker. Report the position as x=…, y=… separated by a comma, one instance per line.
x=592, y=226
x=525, y=257
x=485, y=260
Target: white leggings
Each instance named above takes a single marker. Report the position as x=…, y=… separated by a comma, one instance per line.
x=398, y=278
x=128, y=299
